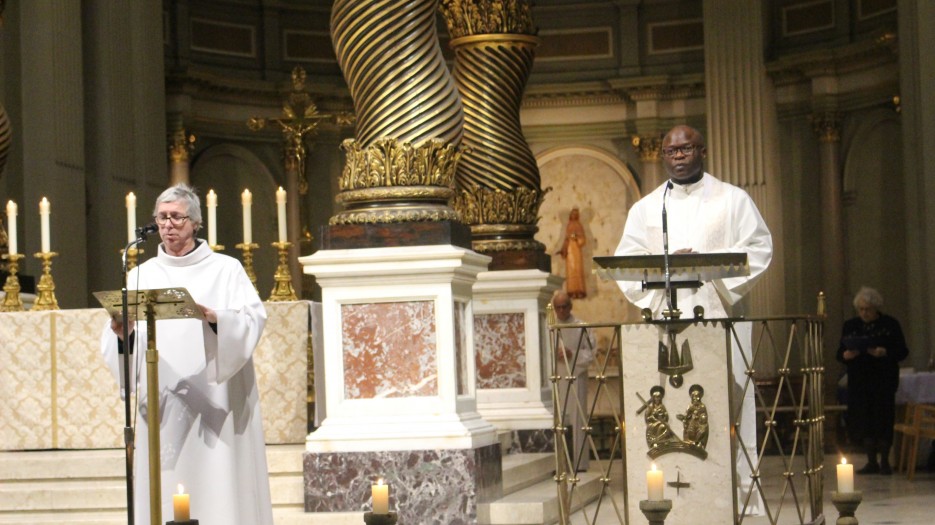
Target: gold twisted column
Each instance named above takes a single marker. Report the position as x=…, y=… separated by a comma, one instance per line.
x=45, y=299
x=409, y=115
x=12, y=301
x=498, y=182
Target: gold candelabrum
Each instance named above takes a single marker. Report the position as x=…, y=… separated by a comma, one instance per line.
x=217, y=247
x=132, y=257
x=282, y=289
x=45, y=299
x=12, y=301
x=247, y=249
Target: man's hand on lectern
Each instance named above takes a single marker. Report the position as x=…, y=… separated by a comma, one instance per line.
x=116, y=325
x=684, y=250
x=210, y=315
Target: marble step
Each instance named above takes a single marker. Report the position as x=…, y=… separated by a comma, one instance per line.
x=524, y=470
x=538, y=504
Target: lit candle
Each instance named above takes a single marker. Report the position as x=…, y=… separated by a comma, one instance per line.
x=654, y=483
x=180, y=506
x=44, y=210
x=131, y=217
x=247, y=200
x=281, y=213
x=11, y=222
x=845, y=476
x=381, y=497
x=212, y=201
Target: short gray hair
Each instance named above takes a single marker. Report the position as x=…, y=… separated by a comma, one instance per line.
x=186, y=194
x=869, y=296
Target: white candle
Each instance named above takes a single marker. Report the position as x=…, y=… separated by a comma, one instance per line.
x=212, y=201
x=845, y=476
x=654, y=483
x=131, y=217
x=11, y=223
x=281, y=213
x=247, y=200
x=44, y=211
x=180, y=506
x=381, y=497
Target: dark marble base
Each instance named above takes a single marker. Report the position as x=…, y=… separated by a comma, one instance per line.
x=440, y=487
x=520, y=260
x=532, y=441
x=352, y=236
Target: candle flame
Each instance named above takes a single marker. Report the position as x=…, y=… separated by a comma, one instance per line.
x=844, y=461
x=380, y=481
x=181, y=489
x=653, y=467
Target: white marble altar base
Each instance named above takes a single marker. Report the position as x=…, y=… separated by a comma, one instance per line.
x=398, y=349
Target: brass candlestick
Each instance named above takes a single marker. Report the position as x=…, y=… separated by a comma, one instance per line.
x=846, y=503
x=46, y=287
x=217, y=247
x=132, y=257
x=282, y=290
x=247, y=249
x=380, y=519
x=12, y=302
x=656, y=510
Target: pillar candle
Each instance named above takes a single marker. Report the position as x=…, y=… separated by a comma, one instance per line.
x=11, y=223
x=381, y=497
x=180, y=506
x=654, y=483
x=247, y=200
x=131, y=217
x=212, y=201
x=44, y=211
x=281, y=213
x=845, y=476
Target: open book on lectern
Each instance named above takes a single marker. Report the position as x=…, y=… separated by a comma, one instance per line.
x=167, y=303
x=683, y=267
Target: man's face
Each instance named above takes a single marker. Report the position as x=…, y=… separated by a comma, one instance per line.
x=682, y=154
x=562, y=309
x=867, y=312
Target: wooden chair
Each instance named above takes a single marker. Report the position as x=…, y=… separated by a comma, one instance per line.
x=920, y=423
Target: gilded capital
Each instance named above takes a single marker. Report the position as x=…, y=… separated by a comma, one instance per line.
x=181, y=147
x=827, y=125
x=487, y=17
x=649, y=147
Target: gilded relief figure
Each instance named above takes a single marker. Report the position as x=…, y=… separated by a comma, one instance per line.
x=574, y=258
x=695, y=419
x=658, y=431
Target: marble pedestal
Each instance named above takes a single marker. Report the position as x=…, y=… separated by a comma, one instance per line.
x=400, y=384
x=511, y=343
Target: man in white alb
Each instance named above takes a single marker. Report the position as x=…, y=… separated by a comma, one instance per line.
x=704, y=215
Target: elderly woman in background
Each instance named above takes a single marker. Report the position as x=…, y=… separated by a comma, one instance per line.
x=211, y=429
x=872, y=345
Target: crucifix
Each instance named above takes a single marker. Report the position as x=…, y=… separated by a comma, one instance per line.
x=299, y=120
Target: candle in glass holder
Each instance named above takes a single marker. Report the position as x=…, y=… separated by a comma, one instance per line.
x=281, y=213
x=246, y=199
x=381, y=497
x=131, y=217
x=11, y=210
x=45, y=209
x=654, y=483
x=211, y=199
x=845, y=476
x=180, y=506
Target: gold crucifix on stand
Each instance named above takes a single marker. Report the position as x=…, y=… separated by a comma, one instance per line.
x=299, y=120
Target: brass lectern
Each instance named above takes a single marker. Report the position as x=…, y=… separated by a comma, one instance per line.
x=157, y=304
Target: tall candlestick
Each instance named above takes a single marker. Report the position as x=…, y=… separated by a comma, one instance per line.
x=11, y=223
x=180, y=506
x=44, y=211
x=131, y=217
x=381, y=497
x=247, y=200
x=654, y=483
x=281, y=213
x=845, y=476
x=212, y=201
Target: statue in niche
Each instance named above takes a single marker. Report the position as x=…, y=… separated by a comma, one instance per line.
x=574, y=259
x=695, y=419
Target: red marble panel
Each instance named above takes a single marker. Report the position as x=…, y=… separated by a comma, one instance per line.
x=500, y=342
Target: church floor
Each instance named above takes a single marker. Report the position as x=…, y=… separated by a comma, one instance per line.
x=886, y=500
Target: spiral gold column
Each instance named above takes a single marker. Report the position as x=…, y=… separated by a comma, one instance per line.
x=401, y=165
x=498, y=183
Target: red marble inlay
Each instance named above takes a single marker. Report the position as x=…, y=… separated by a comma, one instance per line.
x=500, y=342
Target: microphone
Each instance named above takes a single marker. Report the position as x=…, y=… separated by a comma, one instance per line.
x=145, y=231
x=665, y=247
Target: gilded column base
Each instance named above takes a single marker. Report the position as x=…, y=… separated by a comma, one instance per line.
x=12, y=301
x=45, y=299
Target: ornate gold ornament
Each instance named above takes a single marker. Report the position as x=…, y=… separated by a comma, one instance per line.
x=660, y=437
x=181, y=146
x=827, y=125
x=484, y=17
x=649, y=148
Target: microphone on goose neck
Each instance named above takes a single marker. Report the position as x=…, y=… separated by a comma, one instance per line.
x=665, y=247
x=145, y=231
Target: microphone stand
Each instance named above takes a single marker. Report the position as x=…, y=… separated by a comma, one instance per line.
x=128, y=437
x=671, y=300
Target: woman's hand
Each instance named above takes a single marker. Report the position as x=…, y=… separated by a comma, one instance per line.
x=116, y=325
x=851, y=354
x=210, y=315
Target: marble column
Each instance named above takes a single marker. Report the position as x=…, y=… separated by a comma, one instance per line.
x=180, y=149
x=741, y=127
x=511, y=345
